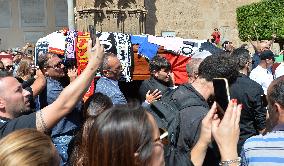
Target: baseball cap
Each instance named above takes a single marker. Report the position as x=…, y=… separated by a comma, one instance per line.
x=267, y=54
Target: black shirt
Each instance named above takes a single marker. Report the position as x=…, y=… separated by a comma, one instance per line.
x=253, y=114
x=9, y=125
x=152, y=84
x=190, y=123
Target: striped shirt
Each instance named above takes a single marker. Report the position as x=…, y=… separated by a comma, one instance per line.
x=264, y=150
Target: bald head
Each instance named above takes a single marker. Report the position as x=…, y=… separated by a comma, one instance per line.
x=13, y=98
x=3, y=76
x=192, y=68
x=3, y=84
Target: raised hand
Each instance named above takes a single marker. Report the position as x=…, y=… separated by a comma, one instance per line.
x=206, y=125
x=96, y=53
x=226, y=131
x=151, y=97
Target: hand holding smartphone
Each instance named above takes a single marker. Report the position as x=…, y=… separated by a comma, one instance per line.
x=222, y=94
x=92, y=30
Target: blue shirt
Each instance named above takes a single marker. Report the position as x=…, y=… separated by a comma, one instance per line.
x=111, y=89
x=67, y=127
x=264, y=150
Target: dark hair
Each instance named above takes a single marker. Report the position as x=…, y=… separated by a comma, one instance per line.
x=43, y=59
x=79, y=154
x=225, y=43
x=275, y=92
x=24, y=68
x=241, y=56
x=96, y=104
x=104, y=65
x=218, y=66
x=5, y=74
x=158, y=63
x=117, y=134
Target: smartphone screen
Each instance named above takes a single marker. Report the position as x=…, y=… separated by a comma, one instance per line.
x=221, y=91
x=92, y=30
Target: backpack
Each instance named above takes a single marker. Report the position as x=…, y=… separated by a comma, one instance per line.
x=166, y=112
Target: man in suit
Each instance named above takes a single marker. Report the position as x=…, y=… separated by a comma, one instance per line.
x=160, y=70
x=108, y=84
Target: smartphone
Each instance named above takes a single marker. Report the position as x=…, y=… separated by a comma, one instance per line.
x=92, y=30
x=222, y=94
x=264, y=102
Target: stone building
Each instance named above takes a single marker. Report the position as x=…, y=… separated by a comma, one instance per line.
x=185, y=18
x=126, y=16
x=27, y=20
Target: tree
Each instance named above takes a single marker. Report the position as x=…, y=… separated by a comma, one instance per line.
x=261, y=20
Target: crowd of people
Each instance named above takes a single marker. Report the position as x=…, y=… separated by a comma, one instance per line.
x=43, y=120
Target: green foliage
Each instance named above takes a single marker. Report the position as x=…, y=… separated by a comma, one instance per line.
x=264, y=18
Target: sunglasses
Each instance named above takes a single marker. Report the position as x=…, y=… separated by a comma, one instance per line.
x=57, y=66
x=9, y=67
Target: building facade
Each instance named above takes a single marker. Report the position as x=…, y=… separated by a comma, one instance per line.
x=185, y=18
x=25, y=21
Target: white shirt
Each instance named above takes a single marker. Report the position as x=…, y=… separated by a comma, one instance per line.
x=279, y=70
x=262, y=76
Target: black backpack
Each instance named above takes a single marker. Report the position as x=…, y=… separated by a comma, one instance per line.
x=166, y=112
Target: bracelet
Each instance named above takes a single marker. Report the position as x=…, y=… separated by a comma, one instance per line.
x=229, y=162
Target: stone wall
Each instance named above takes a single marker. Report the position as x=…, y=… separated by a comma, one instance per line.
x=188, y=18
x=194, y=18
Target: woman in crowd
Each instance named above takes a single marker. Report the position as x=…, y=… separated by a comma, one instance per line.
x=94, y=105
x=26, y=70
x=27, y=74
x=28, y=147
x=129, y=136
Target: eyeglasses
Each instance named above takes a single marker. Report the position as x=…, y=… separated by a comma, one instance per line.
x=9, y=67
x=57, y=66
